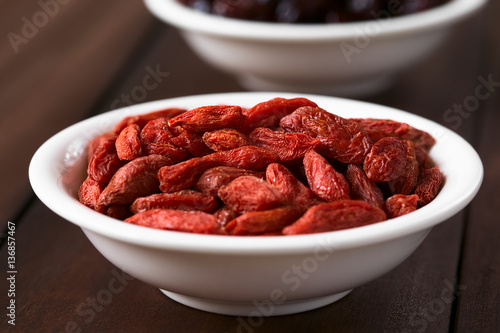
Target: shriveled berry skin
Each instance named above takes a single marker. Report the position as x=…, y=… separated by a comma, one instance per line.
x=338, y=215
x=104, y=162
x=128, y=143
x=210, y=118
x=323, y=179
x=143, y=119
x=400, y=204
x=294, y=192
x=247, y=157
x=288, y=146
x=213, y=179
x=89, y=193
x=156, y=139
x=363, y=188
x=183, y=175
x=250, y=194
x=405, y=184
x=182, y=200
x=225, y=139
x=264, y=222
x=428, y=186
x=385, y=127
x=178, y=220
x=386, y=160
x=135, y=179
x=269, y=113
x=340, y=138
x=192, y=142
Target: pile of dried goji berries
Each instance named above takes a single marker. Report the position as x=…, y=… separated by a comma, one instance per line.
x=281, y=167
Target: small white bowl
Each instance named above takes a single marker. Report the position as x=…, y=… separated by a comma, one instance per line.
x=348, y=59
x=246, y=276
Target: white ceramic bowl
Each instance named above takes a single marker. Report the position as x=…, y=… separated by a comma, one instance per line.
x=348, y=59
x=250, y=275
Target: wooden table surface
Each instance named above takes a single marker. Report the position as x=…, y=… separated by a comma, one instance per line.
x=63, y=61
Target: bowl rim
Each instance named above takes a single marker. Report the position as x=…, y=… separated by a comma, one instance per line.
x=180, y=16
x=50, y=163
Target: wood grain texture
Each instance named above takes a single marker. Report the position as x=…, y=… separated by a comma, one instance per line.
x=56, y=77
x=83, y=63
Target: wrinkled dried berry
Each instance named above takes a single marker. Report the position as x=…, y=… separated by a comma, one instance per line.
x=400, y=204
x=288, y=146
x=225, y=139
x=250, y=194
x=363, y=188
x=405, y=183
x=128, y=143
x=104, y=162
x=323, y=179
x=182, y=200
x=138, y=178
x=213, y=179
x=340, y=138
x=293, y=191
x=338, y=215
x=264, y=222
x=210, y=118
x=177, y=220
x=428, y=185
x=386, y=160
x=269, y=113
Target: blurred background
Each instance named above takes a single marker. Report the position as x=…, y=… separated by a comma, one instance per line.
x=63, y=61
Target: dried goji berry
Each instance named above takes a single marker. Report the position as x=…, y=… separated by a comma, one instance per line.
x=400, y=204
x=386, y=160
x=402, y=130
x=128, y=143
x=247, y=157
x=363, y=188
x=192, y=142
x=89, y=193
x=143, y=119
x=213, y=179
x=225, y=139
x=210, y=118
x=341, y=139
x=156, y=138
x=137, y=178
x=183, y=175
x=338, y=215
x=428, y=186
x=182, y=200
x=293, y=191
x=405, y=183
x=224, y=215
x=104, y=162
x=423, y=158
x=264, y=222
x=269, y=113
x=250, y=194
x=177, y=220
x=288, y=146
x=97, y=141
x=323, y=179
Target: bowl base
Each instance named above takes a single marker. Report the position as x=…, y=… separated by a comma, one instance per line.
x=255, y=309
x=361, y=88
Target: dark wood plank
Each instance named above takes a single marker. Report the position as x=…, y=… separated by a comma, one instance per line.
x=61, y=275
x=479, y=305
x=54, y=78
